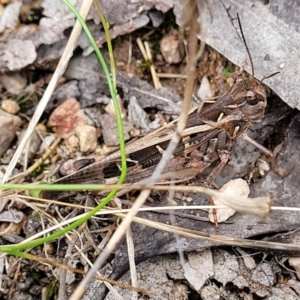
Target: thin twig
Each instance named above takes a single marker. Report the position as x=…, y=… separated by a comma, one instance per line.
x=48, y=152
x=146, y=53
x=182, y=231
x=142, y=48
x=131, y=259
x=79, y=271
x=129, y=54
x=155, y=79
x=216, y=238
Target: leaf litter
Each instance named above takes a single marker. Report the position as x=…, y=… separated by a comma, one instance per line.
x=84, y=81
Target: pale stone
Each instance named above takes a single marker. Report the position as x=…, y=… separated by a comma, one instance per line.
x=9, y=125
x=10, y=106
x=87, y=138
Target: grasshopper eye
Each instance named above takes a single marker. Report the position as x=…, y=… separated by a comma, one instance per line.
x=251, y=98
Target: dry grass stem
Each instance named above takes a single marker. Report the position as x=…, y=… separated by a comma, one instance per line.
x=256, y=144
x=220, y=239
x=38, y=163
x=260, y=206
x=142, y=48
x=132, y=266
x=116, y=211
x=79, y=271
x=155, y=79
x=129, y=54
x=146, y=53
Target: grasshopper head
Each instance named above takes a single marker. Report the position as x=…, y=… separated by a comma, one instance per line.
x=255, y=100
x=242, y=104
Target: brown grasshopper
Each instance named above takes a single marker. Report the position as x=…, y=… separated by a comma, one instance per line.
x=208, y=139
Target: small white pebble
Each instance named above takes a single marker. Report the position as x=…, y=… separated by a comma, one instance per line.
x=87, y=138
x=172, y=49
x=10, y=106
x=205, y=92
x=72, y=143
x=237, y=187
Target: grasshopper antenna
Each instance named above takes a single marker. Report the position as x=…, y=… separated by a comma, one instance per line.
x=244, y=40
x=266, y=77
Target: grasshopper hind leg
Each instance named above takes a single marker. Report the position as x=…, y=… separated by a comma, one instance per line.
x=222, y=149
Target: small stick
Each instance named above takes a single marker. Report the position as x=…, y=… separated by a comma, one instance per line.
x=156, y=81
x=38, y=162
x=256, y=144
x=129, y=54
x=142, y=48
x=145, y=50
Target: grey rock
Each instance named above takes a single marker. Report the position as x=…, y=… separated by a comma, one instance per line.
x=110, y=130
x=271, y=29
x=34, y=145
x=93, y=87
x=136, y=115
x=156, y=17
x=198, y=268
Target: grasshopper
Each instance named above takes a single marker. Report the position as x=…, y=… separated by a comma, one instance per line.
x=208, y=140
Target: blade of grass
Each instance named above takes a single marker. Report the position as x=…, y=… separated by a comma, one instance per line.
x=112, y=90
x=105, y=25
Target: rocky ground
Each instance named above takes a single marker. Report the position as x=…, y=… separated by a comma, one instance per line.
x=79, y=121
